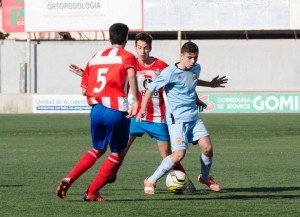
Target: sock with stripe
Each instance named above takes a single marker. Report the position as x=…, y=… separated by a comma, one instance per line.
x=113, y=176
x=206, y=163
x=105, y=171
x=85, y=163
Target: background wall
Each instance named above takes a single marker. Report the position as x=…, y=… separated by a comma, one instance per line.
x=250, y=65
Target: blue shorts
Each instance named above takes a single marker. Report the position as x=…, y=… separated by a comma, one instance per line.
x=109, y=126
x=158, y=131
x=183, y=133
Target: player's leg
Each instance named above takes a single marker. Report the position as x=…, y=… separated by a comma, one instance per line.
x=160, y=132
x=113, y=177
x=165, y=166
x=206, y=160
x=135, y=130
x=88, y=159
x=179, y=146
x=105, y=171
x=165, y=150
x=199, y=135
x=85, y=163
x=117, y=132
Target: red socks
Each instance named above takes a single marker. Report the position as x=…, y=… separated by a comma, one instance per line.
x=179, y=167
x=105, y=171
x=86, y=162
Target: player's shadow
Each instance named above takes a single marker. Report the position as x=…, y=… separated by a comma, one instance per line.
x=261, y=189
x=10, y=186
x=250, y=193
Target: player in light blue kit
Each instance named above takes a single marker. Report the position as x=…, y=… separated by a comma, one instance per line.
x=184, y=124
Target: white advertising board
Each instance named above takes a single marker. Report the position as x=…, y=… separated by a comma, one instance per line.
x=82, y=15
x=190, y=15
x=294, y=14
x=60, y=104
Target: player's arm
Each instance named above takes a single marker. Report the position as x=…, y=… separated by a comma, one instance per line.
x=84, y=81
x=76, y=70
x=200, y=104
x=145, y=102
x=215, y=82
x=134, y=90
x=83, y=91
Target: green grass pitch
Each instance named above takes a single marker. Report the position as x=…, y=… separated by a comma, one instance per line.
x=256, y=162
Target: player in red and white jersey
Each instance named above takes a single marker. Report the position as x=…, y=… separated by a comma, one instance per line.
x=105, y=78
x=105, y=83
x=145, y=74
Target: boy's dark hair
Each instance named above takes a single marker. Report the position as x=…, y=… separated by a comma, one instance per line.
x=118, y=33
x=144, y=36
x=189, y=47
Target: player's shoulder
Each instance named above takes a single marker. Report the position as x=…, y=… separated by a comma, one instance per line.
x=126, y=52
x=170, y=71
x=196, y=67
x=160, y=62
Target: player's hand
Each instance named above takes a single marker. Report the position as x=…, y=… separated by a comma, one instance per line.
x=132, y=110
x=218, y=82
x=76, y=70
x=140, y=115
x=200, y=105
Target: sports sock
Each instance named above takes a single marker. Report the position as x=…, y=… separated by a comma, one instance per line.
x=114, y=173
x=86, y=162
x=165, y=166
x=179, y=167
x=105, y=171
x=206, y=163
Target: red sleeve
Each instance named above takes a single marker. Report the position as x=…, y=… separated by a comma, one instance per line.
x=85, y=75
x=130, y=62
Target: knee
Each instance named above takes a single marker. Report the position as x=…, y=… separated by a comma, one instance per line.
x=206, y=146
x=177, y=156
x=208, y=151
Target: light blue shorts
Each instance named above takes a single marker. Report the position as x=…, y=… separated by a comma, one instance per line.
x=158, y=131
x=183, y=133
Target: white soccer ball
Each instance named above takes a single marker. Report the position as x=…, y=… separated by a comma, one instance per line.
x=176, y=181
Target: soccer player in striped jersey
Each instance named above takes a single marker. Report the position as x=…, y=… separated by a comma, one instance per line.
x=185, y=126
x=105, y=83
x=147, y=69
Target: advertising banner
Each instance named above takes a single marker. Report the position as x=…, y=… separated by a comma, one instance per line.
x=82, y=15
x=60, y=104
x=251, y=102
x=13, y=15
x=216, y=103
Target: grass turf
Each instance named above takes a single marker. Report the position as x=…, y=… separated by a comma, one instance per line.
x=256, y=162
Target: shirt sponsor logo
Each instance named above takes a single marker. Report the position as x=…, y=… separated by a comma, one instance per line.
x=178, y=141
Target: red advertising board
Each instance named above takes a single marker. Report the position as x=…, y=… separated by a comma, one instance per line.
x=13, y=15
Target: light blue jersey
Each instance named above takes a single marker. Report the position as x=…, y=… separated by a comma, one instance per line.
x=179, y=86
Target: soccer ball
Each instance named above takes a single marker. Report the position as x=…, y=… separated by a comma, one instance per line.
x=176, y=181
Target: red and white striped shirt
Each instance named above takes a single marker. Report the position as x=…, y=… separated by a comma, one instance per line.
x=105, y=78
x=145, y=74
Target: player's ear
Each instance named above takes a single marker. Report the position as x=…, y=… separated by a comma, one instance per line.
x=181, y=56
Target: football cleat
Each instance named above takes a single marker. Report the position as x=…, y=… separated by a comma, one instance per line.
x=149, y=187
x=64, y=185
x=211, y=183
x=88, y=197
x=190, y=187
